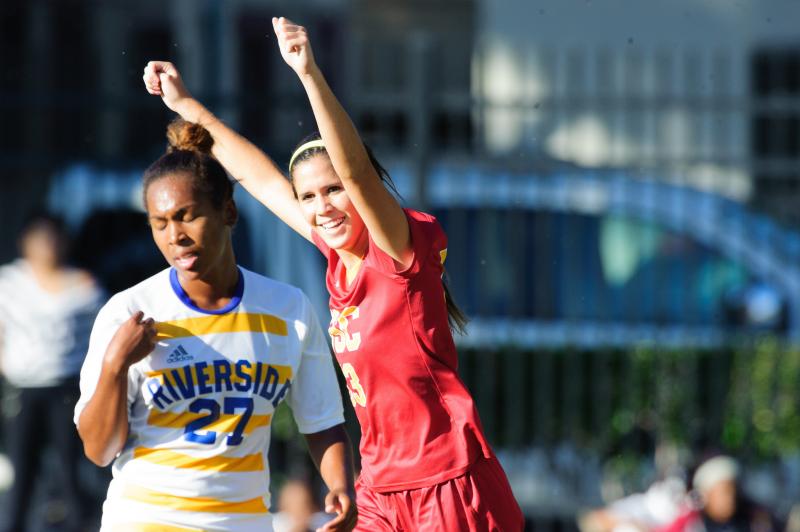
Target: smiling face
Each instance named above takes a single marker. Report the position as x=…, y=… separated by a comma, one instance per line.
x=193, y=235
x=327, y=207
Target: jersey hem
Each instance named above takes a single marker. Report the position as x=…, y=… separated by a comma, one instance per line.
x=320, y=425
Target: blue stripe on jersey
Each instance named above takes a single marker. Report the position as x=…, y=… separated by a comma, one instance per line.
x=184, y=297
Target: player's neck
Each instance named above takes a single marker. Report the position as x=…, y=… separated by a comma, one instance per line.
x=351, y=260
x=215, y=289
x=352, y=272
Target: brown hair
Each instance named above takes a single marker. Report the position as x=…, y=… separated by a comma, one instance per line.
x=455, y=316
x=189, y=152
x=311, y=152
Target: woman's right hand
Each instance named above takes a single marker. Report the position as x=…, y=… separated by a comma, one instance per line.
x=161, y=78
x=133, y=341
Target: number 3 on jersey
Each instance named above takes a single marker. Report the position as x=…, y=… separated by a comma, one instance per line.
x=343, y=341
x=357, y=395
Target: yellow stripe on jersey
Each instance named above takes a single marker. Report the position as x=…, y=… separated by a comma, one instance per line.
x=152, y=527
x=225, y=423
x=165, y=457
x=194, y=504
x=224, y=323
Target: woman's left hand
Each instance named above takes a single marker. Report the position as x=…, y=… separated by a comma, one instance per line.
x=294, y=45
x=343, y=505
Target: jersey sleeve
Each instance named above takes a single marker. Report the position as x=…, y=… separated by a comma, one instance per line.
x=314, y=397
x=427, y=238
x=108, y=320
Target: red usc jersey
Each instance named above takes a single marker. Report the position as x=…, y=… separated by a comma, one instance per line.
x=389, y=329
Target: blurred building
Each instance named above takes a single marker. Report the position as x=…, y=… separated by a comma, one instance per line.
x=705, y=94
x=695, y=101
x=71, y=91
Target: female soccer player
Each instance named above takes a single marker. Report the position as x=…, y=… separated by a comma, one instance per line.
x=425, y=462
x=184, y=370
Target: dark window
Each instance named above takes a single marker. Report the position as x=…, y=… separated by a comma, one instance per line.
x=272, y=106
x=146, y=118
x=775, y=127
x=13, y=20
x=258, y=65
x=75, y=75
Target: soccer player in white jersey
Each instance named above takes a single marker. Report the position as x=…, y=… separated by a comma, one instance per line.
x=184, y=370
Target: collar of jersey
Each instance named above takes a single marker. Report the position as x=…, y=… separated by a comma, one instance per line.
x=184, y=297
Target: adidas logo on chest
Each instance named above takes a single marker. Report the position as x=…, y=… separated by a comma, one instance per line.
x=179, y=354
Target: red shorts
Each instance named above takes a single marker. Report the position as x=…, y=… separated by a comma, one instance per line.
x=480, y=499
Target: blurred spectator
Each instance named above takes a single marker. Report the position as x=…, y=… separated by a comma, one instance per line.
x=639, y=512
x=658, y=506
x=793, y=522
x=46, y=313
x=722, y=507
x=297, y=509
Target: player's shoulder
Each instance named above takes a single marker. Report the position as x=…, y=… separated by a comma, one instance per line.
x=419, y=216
x=266, y=288
x=149, y=290
x=425, y=229
x=153, y=284
x=423, y=221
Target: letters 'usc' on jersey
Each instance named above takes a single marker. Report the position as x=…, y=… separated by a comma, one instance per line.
x=200, y=406
x=390, y=333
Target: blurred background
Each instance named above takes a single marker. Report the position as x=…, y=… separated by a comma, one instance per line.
x=619, y=181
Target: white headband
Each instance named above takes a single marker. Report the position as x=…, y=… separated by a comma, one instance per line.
x=307, y=146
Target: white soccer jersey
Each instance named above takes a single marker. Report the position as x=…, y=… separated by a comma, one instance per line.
x=200, y=405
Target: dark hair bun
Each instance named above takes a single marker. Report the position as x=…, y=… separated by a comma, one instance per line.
x=187, y=136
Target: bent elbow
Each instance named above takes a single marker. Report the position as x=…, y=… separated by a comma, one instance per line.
x=98, y=457
x=97, y=461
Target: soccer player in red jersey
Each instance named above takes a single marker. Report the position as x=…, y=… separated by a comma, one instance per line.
x=426, y=464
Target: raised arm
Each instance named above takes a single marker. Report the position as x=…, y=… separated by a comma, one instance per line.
x=382, y=214
x=103, y=423
x=249, y=165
